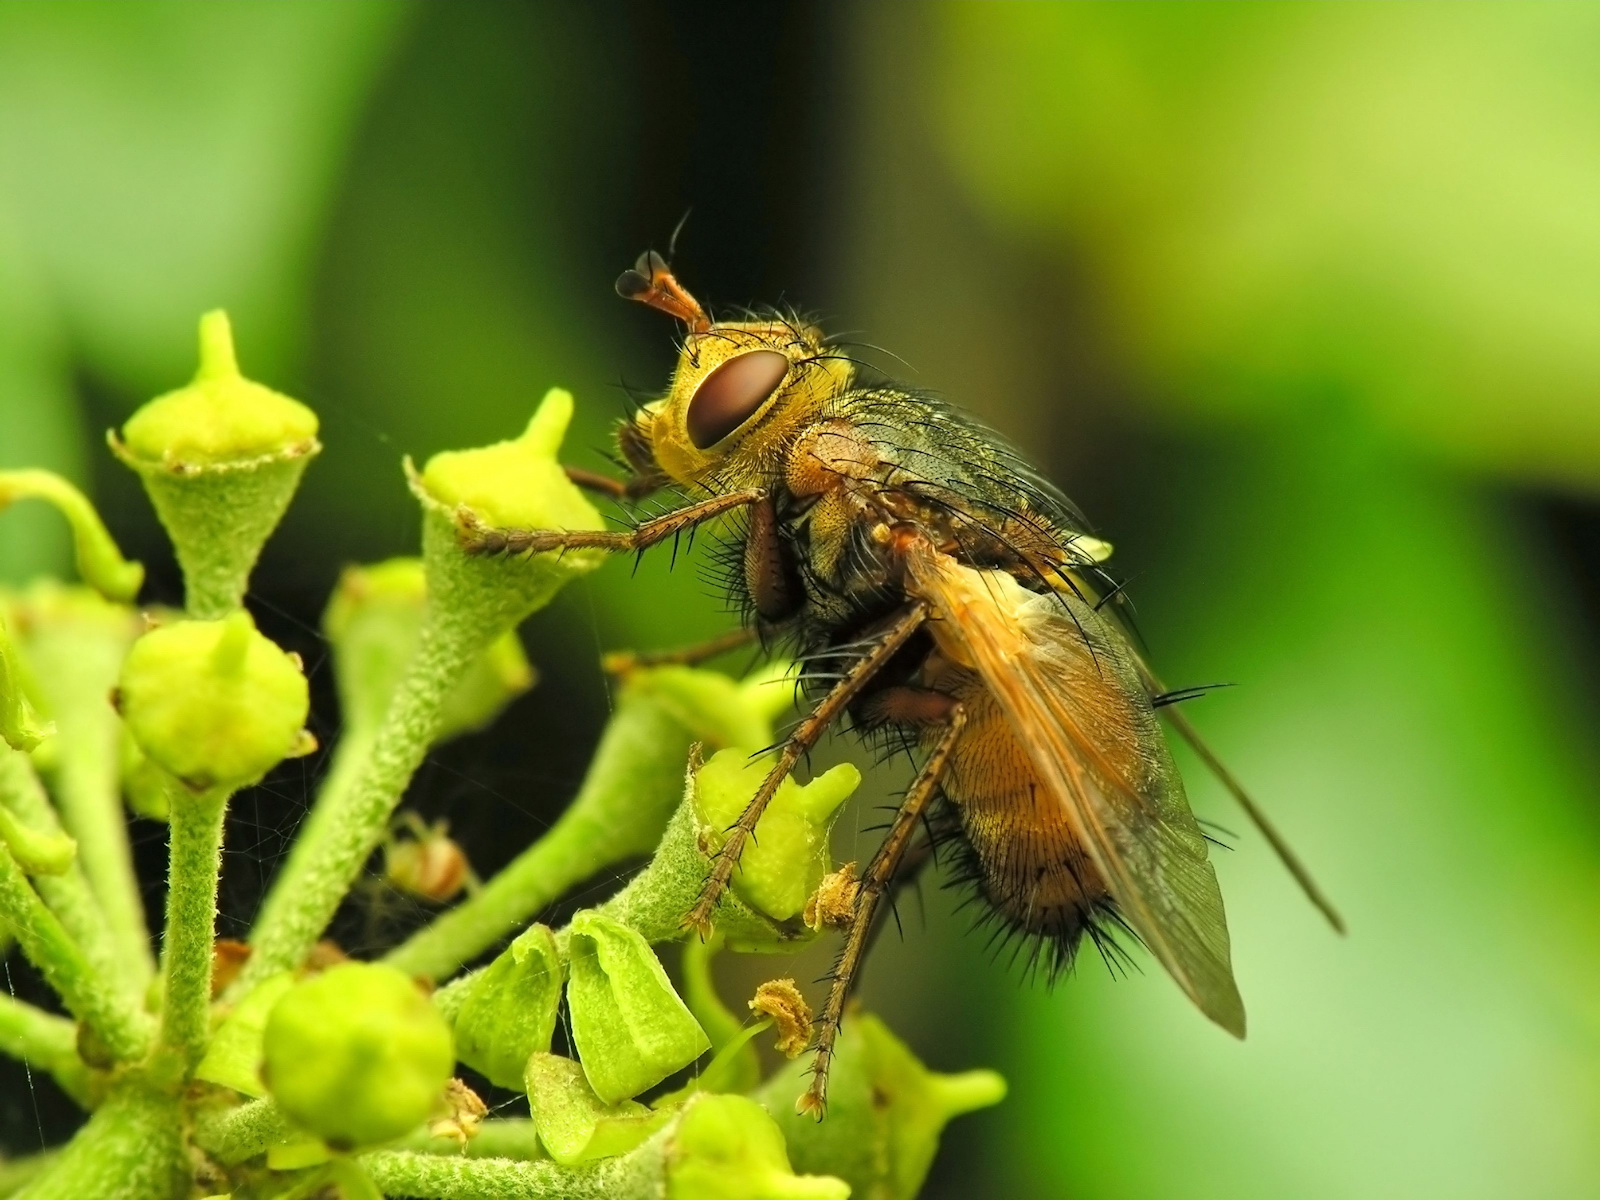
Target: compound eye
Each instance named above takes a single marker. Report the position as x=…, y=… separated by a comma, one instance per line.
x=730, y=395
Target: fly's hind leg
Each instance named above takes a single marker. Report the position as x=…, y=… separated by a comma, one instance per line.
x=805, y=736
x=874, y=886
x=484, y=539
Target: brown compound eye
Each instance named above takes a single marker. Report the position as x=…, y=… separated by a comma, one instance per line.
x=730, y=395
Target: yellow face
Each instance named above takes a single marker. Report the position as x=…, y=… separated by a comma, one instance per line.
x=739, y=393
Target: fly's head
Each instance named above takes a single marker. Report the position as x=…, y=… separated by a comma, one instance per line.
x=740, y=391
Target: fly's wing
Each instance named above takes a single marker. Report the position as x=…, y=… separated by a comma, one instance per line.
x=1069, y=686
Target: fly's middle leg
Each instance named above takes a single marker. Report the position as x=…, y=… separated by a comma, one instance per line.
x=804, y=737
x=874, y=885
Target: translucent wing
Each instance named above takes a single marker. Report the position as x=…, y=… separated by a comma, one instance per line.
x=1070, y=687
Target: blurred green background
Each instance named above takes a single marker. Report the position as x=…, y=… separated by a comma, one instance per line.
x=1300, y=302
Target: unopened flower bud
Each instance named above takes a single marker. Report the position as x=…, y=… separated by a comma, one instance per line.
x=37, y=851
x=885, y=1111
x=728, y=1148
x=781, y=1000
x=357, y=1055
x=214, y=703
x=510, y=1010
x=629, y=1025
x=220, y=459
x=783, y=864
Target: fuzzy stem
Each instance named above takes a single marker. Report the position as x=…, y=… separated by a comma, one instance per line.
x=62, y=929
x=130, y=1149
x=345, y=826
x=632, y=785
x=42, y=1040
x=90, y=995
x=453, y=1177
x=18, y=1173
x=502, y=1137
x=67, y=894
x=235, y=1135
x=88, y=789
x=186, y=947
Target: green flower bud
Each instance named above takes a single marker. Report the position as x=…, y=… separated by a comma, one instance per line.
x=510, y=1011
x=574, y=1124
x=233, y=1056
x=516, y=484
x=372, y=622
x=357, y=1055
x=885, y=1111
x=19, y=724
x=784, y=862
x=220, y=459
x=99, y=561
x=728, y=1148
x=214, y=702
x=145, y=786
x=629, y=1025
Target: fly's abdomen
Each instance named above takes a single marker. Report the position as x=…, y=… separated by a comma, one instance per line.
x=1022, y=853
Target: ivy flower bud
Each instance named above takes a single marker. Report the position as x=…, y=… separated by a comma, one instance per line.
x=728, y=1148
x=357, y=1055
x=373, y=621
x=517, y=484
x=885, y=1111
x=510, y=1011
x=574, y=1124
x=782, y=866
x=629, y=1025
x=220, y=459
x=214, y=703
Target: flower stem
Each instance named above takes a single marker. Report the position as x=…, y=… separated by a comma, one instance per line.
x=453, y=1177
x=186, y=947
x=346, y=825
x=131, y=1149
x=43, y=1040
x=62, y=929
x=235, y=1135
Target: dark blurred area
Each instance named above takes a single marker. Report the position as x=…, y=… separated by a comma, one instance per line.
x=1297, y=301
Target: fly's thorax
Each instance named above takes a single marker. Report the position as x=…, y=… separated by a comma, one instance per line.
x=741, y=393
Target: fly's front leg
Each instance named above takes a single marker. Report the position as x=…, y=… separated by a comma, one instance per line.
x=622, y=662
x=874, y=885
x=804, y=737
x=484, y=539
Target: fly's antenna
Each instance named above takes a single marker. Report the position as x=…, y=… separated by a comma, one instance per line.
x=651, y=282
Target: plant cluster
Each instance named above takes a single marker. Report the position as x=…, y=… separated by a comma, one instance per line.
x=280, y=1067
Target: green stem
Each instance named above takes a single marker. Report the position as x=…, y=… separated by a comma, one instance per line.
x=502, y=1137
x=132, y=1149
x=452, y=1177
x=235, y=1135
x=67, y=894
x=345, y=826
x=632, y=786
x=76, y=648
x=186, y=947
x=88, y=789
x=86, y=990
x=18, y=1173
x=45, y=1041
